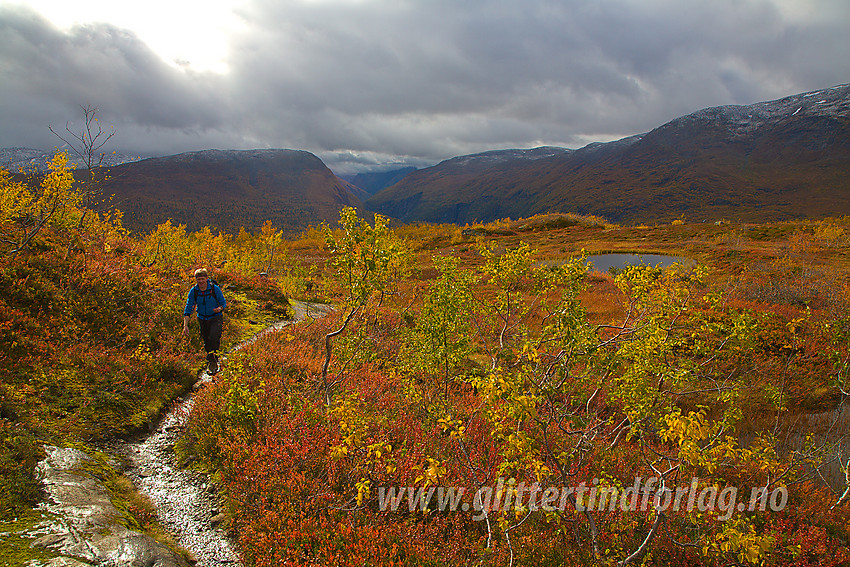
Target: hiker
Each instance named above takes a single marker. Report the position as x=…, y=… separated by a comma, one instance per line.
x=206, y=296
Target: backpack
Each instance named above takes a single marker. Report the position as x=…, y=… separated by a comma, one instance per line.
x=211, y=283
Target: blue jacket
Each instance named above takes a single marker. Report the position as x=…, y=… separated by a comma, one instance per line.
x=206, y=301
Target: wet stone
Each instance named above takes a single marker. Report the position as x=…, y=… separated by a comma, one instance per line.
x=181, y=496
x=87, y=526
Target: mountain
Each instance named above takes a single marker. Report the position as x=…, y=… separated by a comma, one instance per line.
x=229, y=189
x=373, y=182
x=14, y=159
x=775, y=160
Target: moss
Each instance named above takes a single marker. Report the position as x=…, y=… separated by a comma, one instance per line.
x=16, y=549
x=249, y=314
x=19, y=453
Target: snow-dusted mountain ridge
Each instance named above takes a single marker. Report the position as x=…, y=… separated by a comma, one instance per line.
x=774, y=160
x=15, y=159
x=742, y=120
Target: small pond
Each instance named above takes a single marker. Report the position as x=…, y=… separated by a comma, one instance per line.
x=604, y=262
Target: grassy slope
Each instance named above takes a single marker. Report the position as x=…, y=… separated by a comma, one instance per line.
x=90, y=349
x=73, y=367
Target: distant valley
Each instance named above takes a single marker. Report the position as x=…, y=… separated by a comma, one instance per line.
x=373, y=182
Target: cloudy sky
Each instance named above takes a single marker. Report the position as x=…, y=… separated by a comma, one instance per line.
x=373, y=83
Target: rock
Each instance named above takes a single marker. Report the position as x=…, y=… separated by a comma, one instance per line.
x=217, y=520
x=140, y=549
x=50, y=541
x=87, y=526
x=58, y=562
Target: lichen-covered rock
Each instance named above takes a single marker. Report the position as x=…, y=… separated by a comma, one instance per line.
x=86, y=525
x=58, y=562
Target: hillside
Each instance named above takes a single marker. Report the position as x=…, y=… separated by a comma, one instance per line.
x=487, y=360
x=230, y=189
x=767, y=161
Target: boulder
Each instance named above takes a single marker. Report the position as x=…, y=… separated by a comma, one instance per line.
x=85, y=525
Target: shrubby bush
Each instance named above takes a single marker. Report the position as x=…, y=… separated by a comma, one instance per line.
x=496, y=371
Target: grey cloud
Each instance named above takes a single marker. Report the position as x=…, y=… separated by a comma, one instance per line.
x=563, y=70
x=417, y=81
x=50, y=73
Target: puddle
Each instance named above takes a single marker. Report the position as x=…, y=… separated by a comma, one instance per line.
x=604, y=262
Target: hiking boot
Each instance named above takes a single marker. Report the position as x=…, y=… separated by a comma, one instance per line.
x=212, y=366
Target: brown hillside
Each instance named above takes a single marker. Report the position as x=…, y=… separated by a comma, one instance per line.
x=229, y=189
x=769, y=161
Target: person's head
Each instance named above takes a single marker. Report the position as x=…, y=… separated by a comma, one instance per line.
x=201, y=276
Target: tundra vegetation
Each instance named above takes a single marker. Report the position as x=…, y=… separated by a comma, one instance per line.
x=474, y=357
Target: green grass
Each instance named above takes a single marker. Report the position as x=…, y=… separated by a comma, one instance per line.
x=16, y=549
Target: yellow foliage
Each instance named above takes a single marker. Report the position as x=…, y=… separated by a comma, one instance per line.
x=452, y=427
x=353, y=425
x=15, y=198
x=364, y=487
x=27, y=209
x=739, y=538
x=431, y=472
x=828, y=234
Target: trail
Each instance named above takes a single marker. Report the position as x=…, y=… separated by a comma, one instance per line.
x=185, y=500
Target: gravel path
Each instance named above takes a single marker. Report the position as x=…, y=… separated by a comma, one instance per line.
x=186, y=503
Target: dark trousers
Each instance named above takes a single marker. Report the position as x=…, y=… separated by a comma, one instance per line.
x=211, y=335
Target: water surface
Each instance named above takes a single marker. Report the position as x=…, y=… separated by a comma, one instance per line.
x=604, y=262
